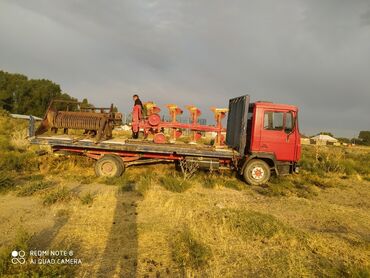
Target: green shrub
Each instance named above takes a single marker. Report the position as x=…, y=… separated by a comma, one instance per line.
x=59, y=195
x=59, y=164
x=18, y=161
x=360, y=162
x=5, y=144
x=188, y=252
x=252, y=224
x=233, y=184
x=278, y=186
x=349, y=167
x=321, y=160
x=33, y=187
x=323, y=183
x=329, y=159
x=86, y=179
x=87, y=199
x=4, y=113
x=174, y=183
x=6, y=181
x=121, y=181
x=337, y=267
x=33, y=177
x=210, y=180
x=21, y=242
x=145, y=181
x=130, y=182
x=296, y=185
x=207, y=180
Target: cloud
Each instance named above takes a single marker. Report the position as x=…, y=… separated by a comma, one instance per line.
x=366, y=18
x=310, y=53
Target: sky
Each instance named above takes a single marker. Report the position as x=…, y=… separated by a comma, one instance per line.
x=311, y=53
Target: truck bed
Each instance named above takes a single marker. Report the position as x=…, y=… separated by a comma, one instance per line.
x=135, y=146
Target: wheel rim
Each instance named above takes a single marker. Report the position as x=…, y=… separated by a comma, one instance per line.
x=107, y=168
x=257, y=173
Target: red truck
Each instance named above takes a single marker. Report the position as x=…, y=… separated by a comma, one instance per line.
x=262, y=138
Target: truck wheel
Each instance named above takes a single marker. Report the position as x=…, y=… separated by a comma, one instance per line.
x=109, y=166
x=257, y=172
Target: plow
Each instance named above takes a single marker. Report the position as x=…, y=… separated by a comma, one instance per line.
x=152, y=124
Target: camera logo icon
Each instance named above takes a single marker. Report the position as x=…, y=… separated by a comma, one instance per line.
x=18, y=257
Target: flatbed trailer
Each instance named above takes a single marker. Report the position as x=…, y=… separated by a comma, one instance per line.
x=113, y=156
x=131, y=150
x=239, y=154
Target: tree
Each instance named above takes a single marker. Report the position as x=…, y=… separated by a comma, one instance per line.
x=10, y=86
x=21, y=95
x=344, y=140
x=364, y=136
x=5, y=100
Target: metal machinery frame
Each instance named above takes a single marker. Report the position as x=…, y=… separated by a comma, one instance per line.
x=151, y=123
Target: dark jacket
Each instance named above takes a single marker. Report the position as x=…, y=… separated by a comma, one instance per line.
x=138, y=102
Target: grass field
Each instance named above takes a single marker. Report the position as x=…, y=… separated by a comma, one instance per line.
x=150, y=223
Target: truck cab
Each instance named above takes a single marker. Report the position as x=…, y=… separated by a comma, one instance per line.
x=267, y=137
x=275, y=131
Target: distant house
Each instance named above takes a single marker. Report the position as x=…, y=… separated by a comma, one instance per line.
x=323, y=139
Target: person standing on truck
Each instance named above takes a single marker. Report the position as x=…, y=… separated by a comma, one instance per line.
x=137, y=101
x=136, y=116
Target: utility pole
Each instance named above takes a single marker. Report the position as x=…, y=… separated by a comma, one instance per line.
x=354, y=139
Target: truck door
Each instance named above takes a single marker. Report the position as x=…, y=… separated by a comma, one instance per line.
x=278, y=134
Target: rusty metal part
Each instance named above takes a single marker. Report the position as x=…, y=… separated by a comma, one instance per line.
x=159, y=138
x=97, y=122
x=152, y=123
x=174, y=110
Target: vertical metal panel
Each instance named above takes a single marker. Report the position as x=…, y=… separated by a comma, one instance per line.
x=236, y=134
x=31, y=127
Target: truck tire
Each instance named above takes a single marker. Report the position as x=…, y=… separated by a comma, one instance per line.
x=256, y=172
x=109, y=166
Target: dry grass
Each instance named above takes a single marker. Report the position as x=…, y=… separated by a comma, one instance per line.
x=188, y=253
x=321, y=160
x=19, y=139
x=254, y=235
x=217, y=232
x=22, y=242
x=148, y=223
x=62, y=194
